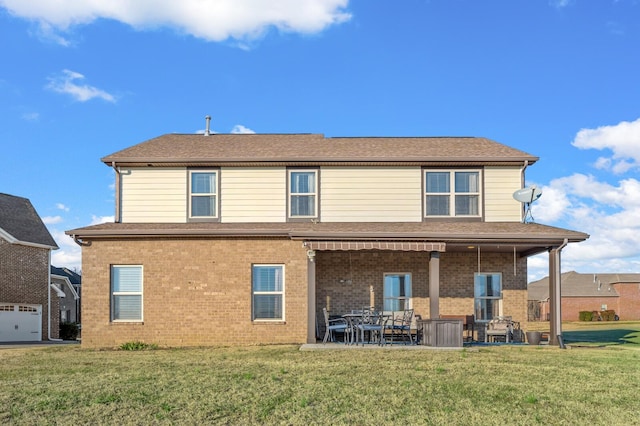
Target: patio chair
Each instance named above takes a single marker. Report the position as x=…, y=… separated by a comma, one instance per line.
x=500, y=326
x=401, y=325
x=332, y=325
x=371, y=322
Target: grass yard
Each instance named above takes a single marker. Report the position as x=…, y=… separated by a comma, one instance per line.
x=596, y=333
x=519, y=385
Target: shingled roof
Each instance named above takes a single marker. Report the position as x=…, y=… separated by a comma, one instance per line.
x=19, y=223
x=74, y=277
x=276, y=149
x=575, y=284
x=528, y=238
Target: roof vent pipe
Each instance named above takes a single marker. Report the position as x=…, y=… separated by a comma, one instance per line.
x=207, y=130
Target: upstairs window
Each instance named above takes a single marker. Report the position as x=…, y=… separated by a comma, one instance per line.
x=303, y=193
x=452, y=193
x=203, y=191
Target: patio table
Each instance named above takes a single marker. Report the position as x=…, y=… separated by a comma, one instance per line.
x=356, y=323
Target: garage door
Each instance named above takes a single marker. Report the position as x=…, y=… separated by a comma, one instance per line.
x=20, y=323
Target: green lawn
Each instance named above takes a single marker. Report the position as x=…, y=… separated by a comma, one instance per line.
x=519, y=385
x=597, y=333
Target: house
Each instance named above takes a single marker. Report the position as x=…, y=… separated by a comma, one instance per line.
x=26, y=298
x=589, y=292
x=68, y=287
x=239, y=239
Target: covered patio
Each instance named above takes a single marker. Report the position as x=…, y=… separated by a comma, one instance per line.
x=442, y=268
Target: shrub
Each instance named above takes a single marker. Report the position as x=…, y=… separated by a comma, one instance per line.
x=586, y=316
x=138, y=346
x=609, y=315
x=69, y=330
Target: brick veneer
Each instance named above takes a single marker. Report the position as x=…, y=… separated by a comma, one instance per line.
x=196, y=292
x=629, y=301
x=24, y=275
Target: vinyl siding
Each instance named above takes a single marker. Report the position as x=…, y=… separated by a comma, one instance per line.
x=370, y=194
x=499, y=185
x=254, y=194
x=154, y=195
x=347, y=194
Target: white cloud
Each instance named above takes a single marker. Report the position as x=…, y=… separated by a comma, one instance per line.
x=551, y=206
x=47, y=32
x=30, y=116
x=607, y=212
x=66, y=83
x=237, y=129
x=51, y=220
x=240, y=129
x=615, y=28
x=96, y=220
x=62, y=207
x=69, y=253
x=559, y=4
x=622, y=139
x=210, y=20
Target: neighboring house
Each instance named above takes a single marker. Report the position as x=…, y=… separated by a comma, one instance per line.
x=68, y=283
x=26, y=297
x=589, y=292
x=243, y=239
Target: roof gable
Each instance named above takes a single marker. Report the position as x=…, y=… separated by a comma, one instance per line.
x=20, y=223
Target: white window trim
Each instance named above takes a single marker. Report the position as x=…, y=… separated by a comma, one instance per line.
x=408, y=300
x=452, y=192
x=291, y=194
x=127, y=293
x=281, y=293
x=215, y=194
x=500, y=298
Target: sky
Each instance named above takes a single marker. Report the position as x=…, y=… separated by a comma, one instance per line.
x=558, y=79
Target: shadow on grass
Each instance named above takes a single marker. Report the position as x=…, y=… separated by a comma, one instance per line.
x=602, y=337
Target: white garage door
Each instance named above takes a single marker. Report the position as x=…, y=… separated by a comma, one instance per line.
x=20, y=323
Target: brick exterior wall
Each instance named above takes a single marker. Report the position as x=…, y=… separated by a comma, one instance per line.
x=628, y=308
x=195, y=292
x=626, y=305
x=24, y=275
x=198, y=292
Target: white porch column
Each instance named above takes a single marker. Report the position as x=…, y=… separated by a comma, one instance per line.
x=311, y=296
x=434, y=285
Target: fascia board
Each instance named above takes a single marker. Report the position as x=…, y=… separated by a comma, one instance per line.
x=12, y=240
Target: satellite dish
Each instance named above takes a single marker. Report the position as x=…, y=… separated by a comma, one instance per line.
x=527, y=196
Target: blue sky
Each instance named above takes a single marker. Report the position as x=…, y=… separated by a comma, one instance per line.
x=557, y=79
